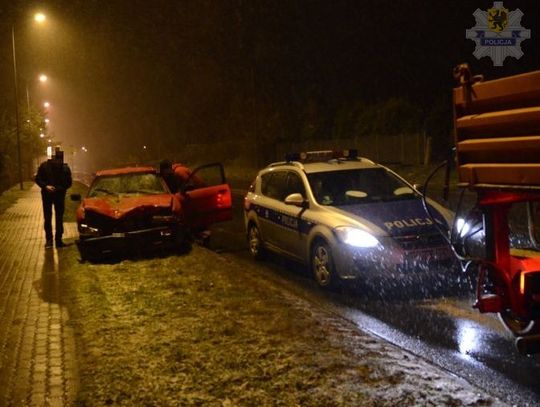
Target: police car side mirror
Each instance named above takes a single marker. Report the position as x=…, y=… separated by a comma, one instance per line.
x=296, y=200
x=75, y=197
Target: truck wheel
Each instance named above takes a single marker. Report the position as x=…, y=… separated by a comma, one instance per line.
x=517, y=326
x=322, y=265
x=256, y=248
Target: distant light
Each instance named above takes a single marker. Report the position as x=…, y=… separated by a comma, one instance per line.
x=39, y=17
x=49, y=151
x=47, y=120
x=83, y=148
x=144, y=147
x=43, y=78
x=46, y=104
x=42, y=135
x=49, y=140
x=27, y=120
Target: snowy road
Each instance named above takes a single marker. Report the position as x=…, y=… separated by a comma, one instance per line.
x=444, y=330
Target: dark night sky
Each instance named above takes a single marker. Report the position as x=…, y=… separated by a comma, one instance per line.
x=128, y=73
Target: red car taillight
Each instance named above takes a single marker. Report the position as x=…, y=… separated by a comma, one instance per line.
x=223, y=199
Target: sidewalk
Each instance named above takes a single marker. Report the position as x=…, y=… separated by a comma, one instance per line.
x=37, y=350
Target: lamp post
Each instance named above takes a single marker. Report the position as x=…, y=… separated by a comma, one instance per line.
x=16, y=87
x=42, y=78
x=39, y=18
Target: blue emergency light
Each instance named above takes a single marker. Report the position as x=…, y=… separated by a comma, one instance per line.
x=322, y=155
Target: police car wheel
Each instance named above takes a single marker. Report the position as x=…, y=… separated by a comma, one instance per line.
x=322, y=265
x=256, y=248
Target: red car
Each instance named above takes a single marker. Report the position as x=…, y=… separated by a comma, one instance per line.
x=133, y=209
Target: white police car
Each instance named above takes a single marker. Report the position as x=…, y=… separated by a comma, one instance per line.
x=346, y=217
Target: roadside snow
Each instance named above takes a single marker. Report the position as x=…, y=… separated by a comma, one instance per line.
x=199, y=330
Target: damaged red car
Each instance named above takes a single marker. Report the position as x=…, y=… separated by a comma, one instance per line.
x=129, y=210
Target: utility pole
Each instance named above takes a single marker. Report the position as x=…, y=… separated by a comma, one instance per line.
x=18, y=131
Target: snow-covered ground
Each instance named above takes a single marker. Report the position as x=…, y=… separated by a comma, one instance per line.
x=197, y=329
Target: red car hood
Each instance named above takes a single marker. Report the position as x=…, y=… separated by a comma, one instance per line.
x=117, y=207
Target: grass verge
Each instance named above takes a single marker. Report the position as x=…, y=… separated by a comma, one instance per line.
x=187, y=330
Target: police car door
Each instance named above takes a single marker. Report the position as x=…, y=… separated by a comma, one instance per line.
x=292, y=217
x=273, y=188
x=279, y=221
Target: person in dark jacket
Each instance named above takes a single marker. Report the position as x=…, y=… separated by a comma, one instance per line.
x=54, y=179
x=167, y=173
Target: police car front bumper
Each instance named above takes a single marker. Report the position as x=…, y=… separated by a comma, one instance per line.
x=390, y=261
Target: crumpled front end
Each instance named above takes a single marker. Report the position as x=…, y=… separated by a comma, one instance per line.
x=142, y=229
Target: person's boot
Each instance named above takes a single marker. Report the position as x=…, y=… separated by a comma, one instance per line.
x=48, y=243
x=59, y=243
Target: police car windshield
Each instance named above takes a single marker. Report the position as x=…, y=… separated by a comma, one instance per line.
x=130, y=184
x=358, y=186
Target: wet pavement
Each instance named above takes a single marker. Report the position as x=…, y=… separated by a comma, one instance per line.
x=37, y=348
x=440, y=327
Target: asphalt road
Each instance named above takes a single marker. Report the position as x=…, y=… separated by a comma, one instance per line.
x=439, y=326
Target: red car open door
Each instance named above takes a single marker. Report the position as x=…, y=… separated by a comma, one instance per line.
x=207, y=197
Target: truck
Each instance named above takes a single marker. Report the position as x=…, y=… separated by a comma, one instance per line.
x=497, y=156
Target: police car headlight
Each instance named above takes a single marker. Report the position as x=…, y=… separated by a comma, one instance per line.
x=462, y=227
x=356, y=237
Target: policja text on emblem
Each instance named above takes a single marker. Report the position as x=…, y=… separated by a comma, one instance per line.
x=498, y=33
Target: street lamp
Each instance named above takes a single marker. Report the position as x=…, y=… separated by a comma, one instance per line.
x=42, y=78
x=46, y=105
x=40, y=18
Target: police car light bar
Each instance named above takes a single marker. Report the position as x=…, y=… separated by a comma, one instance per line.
x=322, y=155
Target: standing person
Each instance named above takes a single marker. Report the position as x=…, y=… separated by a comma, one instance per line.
x=54, y=179
x=167, y=173
x=177, y=175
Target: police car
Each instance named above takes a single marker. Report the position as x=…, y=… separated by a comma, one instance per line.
x=346, y=217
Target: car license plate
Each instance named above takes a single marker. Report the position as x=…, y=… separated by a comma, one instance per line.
x=118, y=234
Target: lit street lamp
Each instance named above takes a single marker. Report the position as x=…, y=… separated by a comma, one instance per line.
x=40, y=18
x=42, y=78
x=46, y=105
